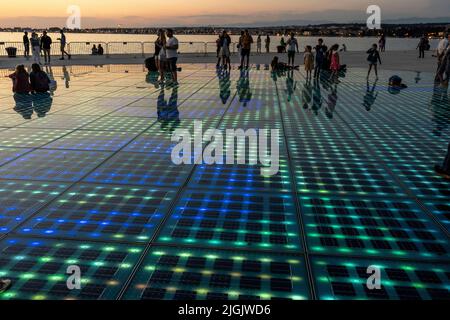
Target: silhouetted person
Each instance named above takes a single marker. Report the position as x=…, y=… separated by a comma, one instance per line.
x=40, y=82
x=46, y=46
x=321, y=51
x=63, y=43
x=373, y=58
x=26, y=45
x=100, y=50
x=422, y=46
x=246, y=43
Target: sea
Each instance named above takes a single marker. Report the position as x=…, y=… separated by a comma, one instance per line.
x=352, y=44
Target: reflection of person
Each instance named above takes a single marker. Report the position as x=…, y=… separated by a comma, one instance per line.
x=24, y=104
x=370, y=97
x=291, y=85
x=317, y=98
x=224, y=86
x=168, y=113
x=243, y=87
x=5, y=284
x=40, y=82
x=331, y=103
x=444, y=169
x=66, y=76
x=307, y=94
x=42, y=103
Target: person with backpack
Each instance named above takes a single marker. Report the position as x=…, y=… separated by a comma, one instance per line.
x=40, y=82
x=46, y=44
x=373, y=58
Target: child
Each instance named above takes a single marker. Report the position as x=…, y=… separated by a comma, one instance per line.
x=21, y=80
x=309, y=62
x=373, y=58
x=335, y=63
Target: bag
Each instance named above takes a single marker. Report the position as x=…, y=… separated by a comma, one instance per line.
x=150, y=64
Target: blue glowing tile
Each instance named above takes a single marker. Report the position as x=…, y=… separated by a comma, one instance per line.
x=93, y=140
x=440, y=209
x=53, y=165
x=19, y=200
x=18, y=137
x=141, y=169
x=364, y=178
x=8, y=154
x=395, y=228
x=107, y=212
x=190, y=274
x=38, y=268
x=255, y=221
x=346, y=279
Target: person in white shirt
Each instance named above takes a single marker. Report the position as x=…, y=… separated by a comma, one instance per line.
x=292, y=49
x=442, y=47
x=172, y=54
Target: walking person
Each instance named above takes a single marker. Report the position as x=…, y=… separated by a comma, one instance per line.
x=259, y=44
x=246, y=43
x=46, y=44
x=321, y=51
x=26, y=45
x=267, y=44
x=292, y=44
x=63, y=43
x=309, y=62
x=172, y=54
x=373, y=58
x=422, y=47
x=35, y=48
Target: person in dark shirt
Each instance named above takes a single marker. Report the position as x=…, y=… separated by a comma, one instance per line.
x=46, y=44
x=100, y=50
x=40, y=82
x=321, y=51
x=26, y=45
x=21, y=80
x=373, y=58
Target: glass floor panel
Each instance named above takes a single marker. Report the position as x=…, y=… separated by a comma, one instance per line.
x=91, y=182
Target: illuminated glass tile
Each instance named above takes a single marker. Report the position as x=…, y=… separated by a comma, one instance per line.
x=56, y=121
x=38, y=268
x=18, y=137
x=125, y=124
x=243, y=220
x=346, y=279
x=107, y=212
x=177, y=273
x=8, y=154
x=20, y=199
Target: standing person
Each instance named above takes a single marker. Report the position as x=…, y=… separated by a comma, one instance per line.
x=100, y=50
x=309, y=62
x=40, y=82
x=321, y=51
x=225, y=41
x=335, y=62
x=283, y=44
x=46, y=44
x=172, y=54
x=259, y=44
x=63, y=46
x=158, y=47
x=444, y=170
x=442, y=48
x=239, y=45
x=292, y=49
x=35, y=48
x=21, y=80
x=382, y=43
x=218, y=48
x=26, y=45
x=373, y=58
x=422, y=47
x=267, y=44
x=162, y=56
x=247, y=41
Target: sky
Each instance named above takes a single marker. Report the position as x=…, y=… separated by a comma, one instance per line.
x=139, y=13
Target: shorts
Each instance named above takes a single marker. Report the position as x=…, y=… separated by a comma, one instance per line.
x=245, y=52
x=172, y=64
x=291, y=54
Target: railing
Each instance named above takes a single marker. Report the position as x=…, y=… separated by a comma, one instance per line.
x=116, y=49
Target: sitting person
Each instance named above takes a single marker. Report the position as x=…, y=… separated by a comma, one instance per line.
x=100, y=50
x=444, y=170
x=94, y=50
x=40, y=82
x=21, y=80
x=396, y=84
x=278, y=66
